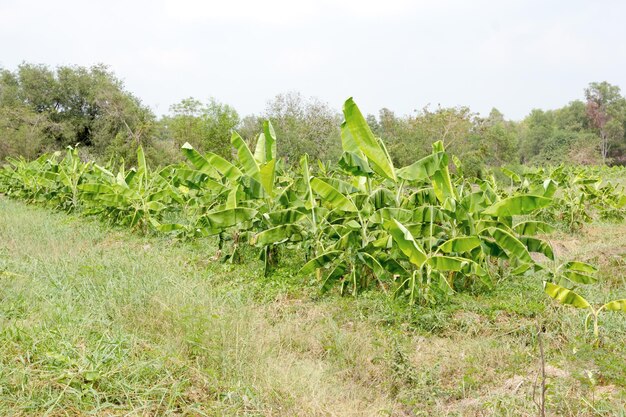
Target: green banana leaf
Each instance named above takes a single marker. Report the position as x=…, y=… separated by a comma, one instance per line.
x=331, y=196
x=565, y=296
x=517, y=205
x=406, y=242
x=367, y=143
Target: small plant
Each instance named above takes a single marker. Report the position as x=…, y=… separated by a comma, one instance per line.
x=570, y=298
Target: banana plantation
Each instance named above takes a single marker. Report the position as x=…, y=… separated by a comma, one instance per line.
x=420, y=233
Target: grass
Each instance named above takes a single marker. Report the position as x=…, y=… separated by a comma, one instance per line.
x=99, y=321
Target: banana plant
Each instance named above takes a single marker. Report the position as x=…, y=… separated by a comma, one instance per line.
x=570, y=298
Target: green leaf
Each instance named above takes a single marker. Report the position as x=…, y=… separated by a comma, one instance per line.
x=277, y=234
x=222, y=219
x=332, y=196
x=367, y=143
x=353, y=164
x=170, y=227
x=460, y=244
x=538, y=246
x=579, y=277
x=580, y=267
x=265, y=150
x=424, y=168
x=510, y=244
x=267, y=173
x=565, y=296
x=333, y=276
x=224, y=167
x=406, y=242
x=246, y=159
x=616, y=305
x=320, y=262
x=517, y=205
x=532, y=227
x=198, y=161
x=579, y=272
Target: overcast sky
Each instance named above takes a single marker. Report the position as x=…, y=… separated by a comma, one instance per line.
x=513, y=55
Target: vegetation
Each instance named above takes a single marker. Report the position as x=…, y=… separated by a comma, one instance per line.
x=419, y=232
x=96, y=320
x=462, y=228
x=42, y=110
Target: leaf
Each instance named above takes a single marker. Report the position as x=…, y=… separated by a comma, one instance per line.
x=320, y=261
x=367, y=143
x=532, y=227
x=580, y=266
x=424, y=168
x=447, y=263
x=267, y=173
x=406, y=242
x=334, y=275
x=517, y=205
x=458, y=264
x=246, y=159
x=565, y=296
x=460, y=244
x=616, y=305
x=198, y=161
x=277, y=234
x=142, y=167
x=265, y=150
x=579, y=277
x=353, y=164
x=538, y=246
x=224, y=167
x=579, y=272
x=227, y=218
x=285, y=216
x=512, y=175
x=510, y=244
x=332, y=196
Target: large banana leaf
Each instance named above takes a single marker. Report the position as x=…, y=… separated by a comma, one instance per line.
x=517, y=205
x=362, y=135
x=538, y=246
x=198, y=161
x=278, y=234
x=222, y=219
x=331, y=196
x=510, y=244
x=246, y=159
x=565, y=296
x=406, y=242
x=460, y=244
x=320, y=261
x=424, y=168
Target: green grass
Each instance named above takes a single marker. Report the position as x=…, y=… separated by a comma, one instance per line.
x=99, y=321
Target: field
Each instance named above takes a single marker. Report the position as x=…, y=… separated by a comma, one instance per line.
x=98, y=320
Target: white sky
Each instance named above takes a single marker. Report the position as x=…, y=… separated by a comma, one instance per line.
x=400, y=54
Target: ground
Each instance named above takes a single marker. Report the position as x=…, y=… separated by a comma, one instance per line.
x=100, y=321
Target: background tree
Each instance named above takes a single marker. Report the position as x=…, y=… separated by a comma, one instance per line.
x=207, y=126
x=606, y=109
x=43, y=109
x=304, y=126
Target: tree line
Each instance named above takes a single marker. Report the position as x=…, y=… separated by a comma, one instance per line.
x=43, y=109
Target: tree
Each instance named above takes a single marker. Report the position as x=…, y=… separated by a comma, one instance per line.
x=207, y=127
x=304, y=126
x=43, y=109
x=606, y=111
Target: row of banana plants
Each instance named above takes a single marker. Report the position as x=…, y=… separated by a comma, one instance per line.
x=580, y=194
x=421, y=232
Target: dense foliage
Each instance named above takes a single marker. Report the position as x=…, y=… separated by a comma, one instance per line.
x=43, y=110
x=421, y=232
